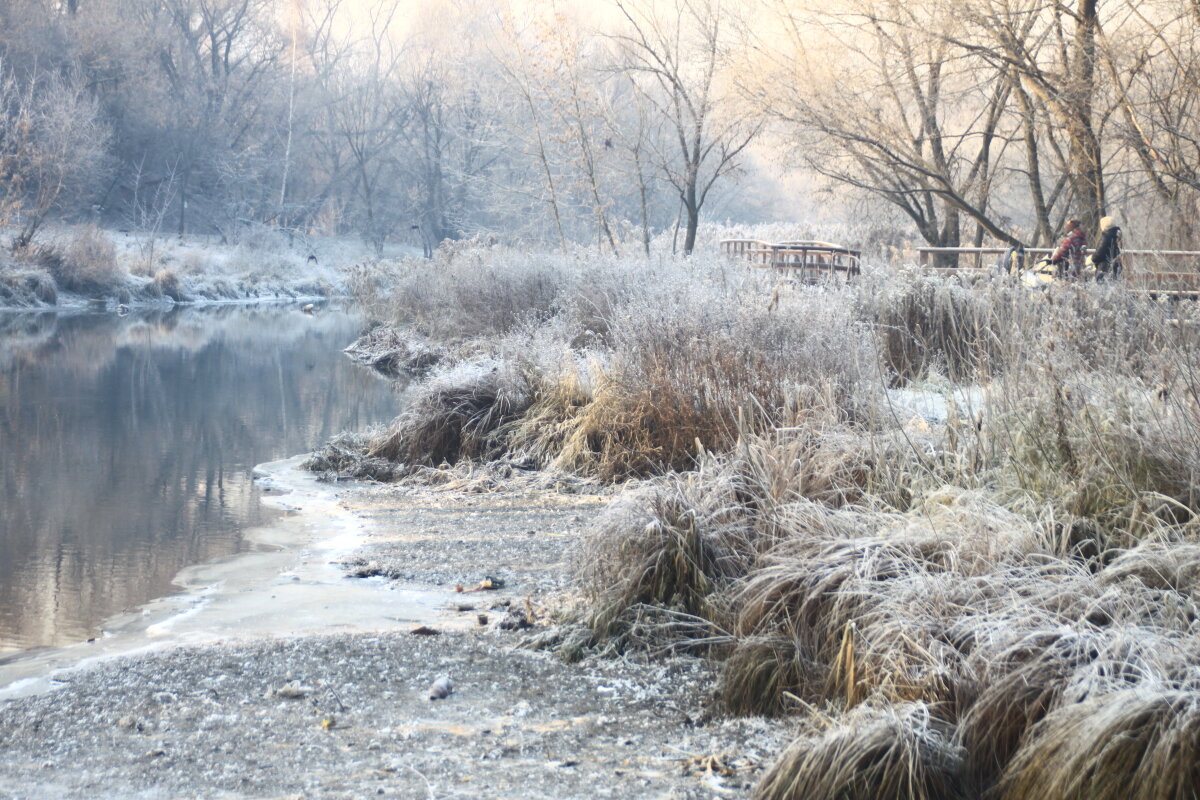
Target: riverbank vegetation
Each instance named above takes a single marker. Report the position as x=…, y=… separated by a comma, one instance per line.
x=947, y=524
x=71, y=265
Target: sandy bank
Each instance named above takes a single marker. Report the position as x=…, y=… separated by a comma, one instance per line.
x=183, y=700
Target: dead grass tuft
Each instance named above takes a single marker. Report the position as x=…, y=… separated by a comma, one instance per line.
x=675, y=544
x=167, y=284
x=1095, y=448
x=1138, y=744
x=767, y=675
x=393, y=353
x=900, y=752
x=456, y=414
x=1020, y=685
x=26, y=287
x=676, y=387
x=1158, y=565
x=929, y=325
x=345, y=457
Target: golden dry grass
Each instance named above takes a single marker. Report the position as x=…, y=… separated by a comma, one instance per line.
x=1138, y=744
x=898, y=752
x=955, y=592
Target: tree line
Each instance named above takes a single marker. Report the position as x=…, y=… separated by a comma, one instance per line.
x=974, y=121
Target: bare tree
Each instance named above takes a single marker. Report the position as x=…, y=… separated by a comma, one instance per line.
x=1153, y=68
x=675, y=53
x=448, y=144
x=890, y=107
x=363, y=115
x=52, y=148
x=1050, y=50
x=520, y=63
x=629, y=127
x=152, y=199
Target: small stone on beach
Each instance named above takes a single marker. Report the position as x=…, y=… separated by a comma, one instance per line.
x=293, y=690
x=441, y=688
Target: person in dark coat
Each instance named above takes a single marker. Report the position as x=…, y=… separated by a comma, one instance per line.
x=1012, y=261
x=1107, y=258
x=1069, y=255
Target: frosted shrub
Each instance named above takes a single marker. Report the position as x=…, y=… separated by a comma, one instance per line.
x=479, y=292
x=86, y=262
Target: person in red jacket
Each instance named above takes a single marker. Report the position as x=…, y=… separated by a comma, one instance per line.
x=1070, y=252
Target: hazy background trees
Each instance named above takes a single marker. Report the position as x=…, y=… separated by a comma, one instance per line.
x=603, y=123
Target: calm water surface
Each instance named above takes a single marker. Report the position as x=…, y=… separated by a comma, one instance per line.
x=127, y=444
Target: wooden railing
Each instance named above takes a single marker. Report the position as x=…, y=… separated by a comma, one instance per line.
x=808, y=261
x=1156, y=271
x=977, y=257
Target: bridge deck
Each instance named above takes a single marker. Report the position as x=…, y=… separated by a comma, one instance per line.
x=808, y=261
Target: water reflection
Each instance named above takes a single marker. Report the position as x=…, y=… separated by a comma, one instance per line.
x=126, y=446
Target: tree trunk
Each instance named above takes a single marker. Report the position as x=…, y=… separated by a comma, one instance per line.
x=1087, y=168
x=949, y=237
x=693, y=215
x=689, y=236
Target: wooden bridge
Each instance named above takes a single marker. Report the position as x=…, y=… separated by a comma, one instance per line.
x=806, y=261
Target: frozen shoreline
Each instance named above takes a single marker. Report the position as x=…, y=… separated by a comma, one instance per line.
x=198, y=712
x=288, y=584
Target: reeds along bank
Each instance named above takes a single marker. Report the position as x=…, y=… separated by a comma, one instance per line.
x=997, y=599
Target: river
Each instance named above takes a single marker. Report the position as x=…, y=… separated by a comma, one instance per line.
x=127, y=446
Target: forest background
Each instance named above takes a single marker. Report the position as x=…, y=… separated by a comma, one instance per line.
x=951, y=124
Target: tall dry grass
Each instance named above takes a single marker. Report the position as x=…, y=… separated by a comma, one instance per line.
x=1136, y=744
x=970, y=595
x=83, y=263
x=674, y=384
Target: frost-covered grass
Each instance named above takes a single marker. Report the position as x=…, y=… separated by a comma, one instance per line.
x=68, y=265
x=977, y=601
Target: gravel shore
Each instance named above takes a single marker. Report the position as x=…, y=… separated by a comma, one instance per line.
x=349, y=715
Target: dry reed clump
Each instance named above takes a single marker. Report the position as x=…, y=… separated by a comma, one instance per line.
x=1042, y=670
x=457, y=413
x=85, y=264
x=1106, y=329
x=818, y=580
x=674, y=386
x=393, y=353
x=677, y=543
x=1020, y=684
x=20, y=287
x=652, y=537
x=933, y=325
x=167, y=284
x=814, y=455
x=899, y=752
x=476, y=292
x=769, y=675
x=1142, y=743
x=1095, y=448
x=876, y=597
x=1173, y=566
